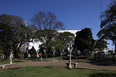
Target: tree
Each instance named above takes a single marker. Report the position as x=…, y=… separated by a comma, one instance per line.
x=108, y=24
x=47, y=23
x=1, y=52
x=32, y=27
x=56, y=45
x=66, y=38
x=32, y=51
x=83, y=40
x=19, y=32
x=98, y=45
x=11, y=20
x=6, y=38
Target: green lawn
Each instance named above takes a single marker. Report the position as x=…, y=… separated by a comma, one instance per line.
x=109, y=56
x=8, y=61
x=106, y=56
x=54, y=71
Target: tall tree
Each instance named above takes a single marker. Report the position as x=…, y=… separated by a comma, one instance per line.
x=6, y=38
x=19, y=31
x=46, y=23
x=83, y=40
x=108, y=24
x=1, y=51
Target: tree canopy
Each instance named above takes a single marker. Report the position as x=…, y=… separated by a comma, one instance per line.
x=6, y=40
x=46, y=23
x=83, y=40
x=66, y=38
x=99, y=45
x=32, y=51
x=108, y=24
x=15, y=31
x=56, y=44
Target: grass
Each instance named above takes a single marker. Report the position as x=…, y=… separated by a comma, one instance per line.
x=54, y=71
x=89, y=57
x=110, y=56
x=8, y=61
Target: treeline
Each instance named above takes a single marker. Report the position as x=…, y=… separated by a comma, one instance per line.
x=14, y=32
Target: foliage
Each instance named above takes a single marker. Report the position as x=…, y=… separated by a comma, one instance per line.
x=16, y=31
x=99, y=45
x=66, y=38
x=47, y=23
x=56, y=44
x=42, y=48
x=32, y=51
x=6, y=38
x=110, y=51
x=108, y=24
x=45, y=38
x=20, y=53
x=25, y=55
x=83, y=40
x=32, y=27
x=45, y=35
x=1, y=51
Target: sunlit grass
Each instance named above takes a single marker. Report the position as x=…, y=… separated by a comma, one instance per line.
x=54, y=71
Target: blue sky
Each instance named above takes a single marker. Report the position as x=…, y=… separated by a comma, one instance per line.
x=75, y=14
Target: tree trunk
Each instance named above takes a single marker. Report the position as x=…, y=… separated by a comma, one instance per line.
x=46, y=52
x=53, y=54
x=11, y=57
x=15, y=54
x=47, y=48
x=115, y=49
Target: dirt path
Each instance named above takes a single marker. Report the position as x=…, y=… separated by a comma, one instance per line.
x=82, y=63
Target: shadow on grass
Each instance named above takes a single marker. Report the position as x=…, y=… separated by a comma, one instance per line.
x=73, y=57
x=104, y=62
x=103, y=75
x=48, y=67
